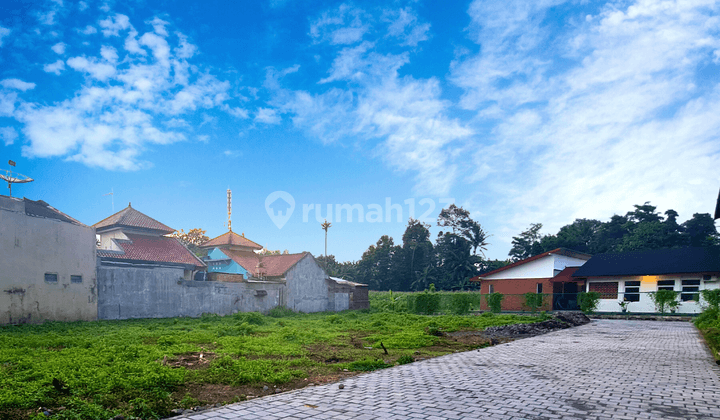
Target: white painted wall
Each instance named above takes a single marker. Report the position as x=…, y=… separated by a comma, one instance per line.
x=649, y=284
x=542, y=268
x=32, y=246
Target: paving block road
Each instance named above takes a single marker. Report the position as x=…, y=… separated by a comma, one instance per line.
x=608, y=369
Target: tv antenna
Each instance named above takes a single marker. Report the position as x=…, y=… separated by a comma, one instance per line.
x=13, y=177
x=112, y=199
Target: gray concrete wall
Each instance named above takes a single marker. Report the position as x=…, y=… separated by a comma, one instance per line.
x=136, y=292
x=29, y=248
x=307, y=288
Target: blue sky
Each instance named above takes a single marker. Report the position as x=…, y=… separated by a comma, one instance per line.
x=522, y=112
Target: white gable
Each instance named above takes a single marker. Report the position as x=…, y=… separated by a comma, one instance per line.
x=541, y=268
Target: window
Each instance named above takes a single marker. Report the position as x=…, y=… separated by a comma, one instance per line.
x=632, y=291
x=607, y=290
x=539, y=288
x=491, y=288
x=76, y=279
x=666, y=285
x=690, y=290
x=51, y=277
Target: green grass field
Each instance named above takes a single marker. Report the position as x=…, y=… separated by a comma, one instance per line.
x=145, y=368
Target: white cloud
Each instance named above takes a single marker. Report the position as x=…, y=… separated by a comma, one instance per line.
x=267, y=116
x=3, y=33
x=237, y=112
x=56, y=67
x=624, y=118
x=232, y=153
x=97, y=69
x=8, y=135
x=203, y=138
x=159, y=26
x=127, y=101
x=82, y=6
x=17, y=84
x=341, y=26
x=59, y=48
x=404, y=25
x=88, y=30
x=112, y=25
x=47, y=18
x=403, y=119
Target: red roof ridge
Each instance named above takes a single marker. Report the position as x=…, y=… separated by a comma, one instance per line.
x=216, y=241
x=131, y=217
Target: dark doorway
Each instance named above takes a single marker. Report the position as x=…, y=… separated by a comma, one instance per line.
x=565, y=296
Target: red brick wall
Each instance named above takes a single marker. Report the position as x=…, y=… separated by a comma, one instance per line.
x=231, y=278
x=607, y=290
x=514, y=291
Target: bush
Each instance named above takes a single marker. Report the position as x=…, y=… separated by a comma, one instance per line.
x=253, y=318
x=494, y=301
x=533, y=301
x=664, y=300
x=405, y=359
x=427, y=303
x=460, y=303
x=588, y=301
x=712, y=298
x=281, y=312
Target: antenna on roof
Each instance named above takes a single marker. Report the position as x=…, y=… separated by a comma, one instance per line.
x=229, y=200
x=13, y=177
x=112, y=197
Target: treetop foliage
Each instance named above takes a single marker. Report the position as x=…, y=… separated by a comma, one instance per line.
x=640, y=229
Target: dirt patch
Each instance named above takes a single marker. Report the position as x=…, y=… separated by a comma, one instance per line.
x=193, y=360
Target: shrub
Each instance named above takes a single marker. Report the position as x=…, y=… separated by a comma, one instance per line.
x=427, y=302
x=664, y=300
x=405, y=359
x=253, y=318
x=712, y=298
x=533, y=301
x=460, y=303
x=588, y=301
x=494, y=301
x=281, y=312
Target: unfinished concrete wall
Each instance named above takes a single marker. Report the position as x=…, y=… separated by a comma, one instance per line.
x=142, y=292
x=30, y=248
x=307, y=288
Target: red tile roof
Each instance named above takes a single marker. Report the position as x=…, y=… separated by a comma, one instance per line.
x=558, y=251
x=152, y=249
x=273, y=265
x=231, y=238
x=566, y=275
x=129, y=217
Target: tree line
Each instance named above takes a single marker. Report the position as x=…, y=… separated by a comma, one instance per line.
x=457, y=255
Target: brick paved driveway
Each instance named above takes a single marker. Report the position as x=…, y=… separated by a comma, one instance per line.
x=603, y=370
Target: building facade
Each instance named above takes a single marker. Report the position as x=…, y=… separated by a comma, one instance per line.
x=47, y=269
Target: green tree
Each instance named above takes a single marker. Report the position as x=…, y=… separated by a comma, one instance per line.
x=701, y=231
x=192, y=240
x=527, y=244
x=417, y=255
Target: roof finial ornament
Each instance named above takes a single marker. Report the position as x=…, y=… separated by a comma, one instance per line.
x=129, y=204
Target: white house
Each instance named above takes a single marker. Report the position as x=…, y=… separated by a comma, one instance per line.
x=633, y=276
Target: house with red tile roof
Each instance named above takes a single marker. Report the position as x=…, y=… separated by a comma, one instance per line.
x=306, y=287
x=130, y=237
x=549, y=273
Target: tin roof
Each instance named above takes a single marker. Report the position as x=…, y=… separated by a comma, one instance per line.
x=40, y=208
x=230, y=238
x=152, y=249
x=129, y=217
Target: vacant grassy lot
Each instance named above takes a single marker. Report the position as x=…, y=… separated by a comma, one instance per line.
x=145, y=368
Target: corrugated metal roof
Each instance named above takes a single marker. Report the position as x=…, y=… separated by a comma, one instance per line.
x=129, y=217
x=653, y=262
x=231, y=238
x=152, y=249
x=40, y=208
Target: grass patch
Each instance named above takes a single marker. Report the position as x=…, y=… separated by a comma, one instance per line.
x=147, y=367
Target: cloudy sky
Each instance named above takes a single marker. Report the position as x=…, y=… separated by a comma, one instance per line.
x=520, y=111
